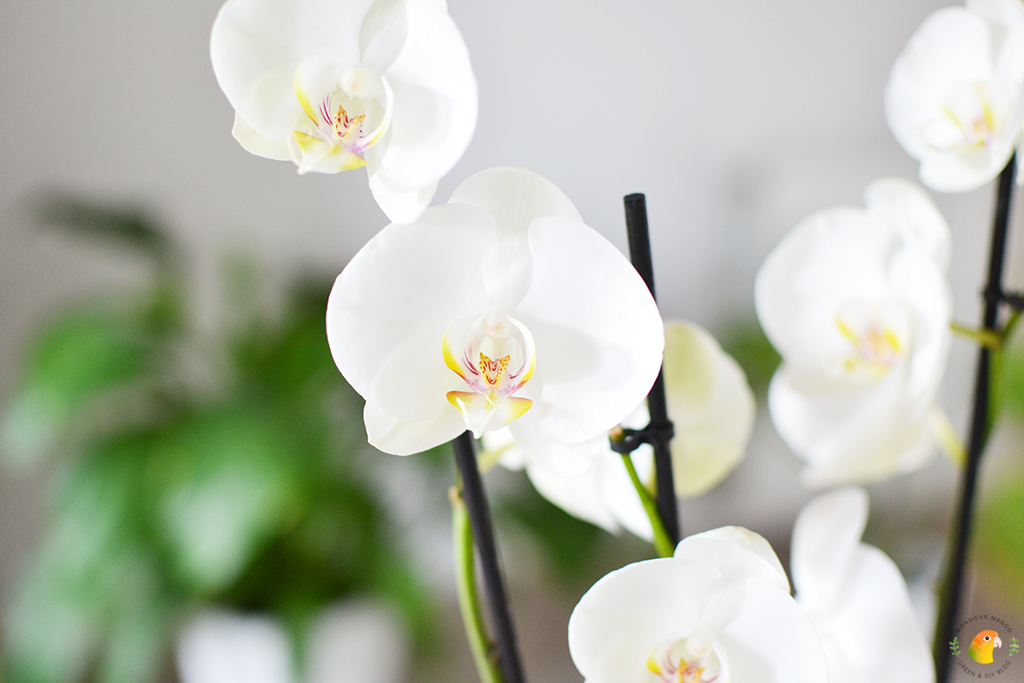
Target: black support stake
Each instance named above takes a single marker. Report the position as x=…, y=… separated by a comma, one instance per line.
x=640, y=255
x=483, y=538
x=952, y=589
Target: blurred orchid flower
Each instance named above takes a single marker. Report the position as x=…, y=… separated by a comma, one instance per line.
x=351, y=641
x=718, y=610
x=855, y=596
x=500, y=308
x=712, y=408
x=857, y=303
x=954, y=98
x=334, y=85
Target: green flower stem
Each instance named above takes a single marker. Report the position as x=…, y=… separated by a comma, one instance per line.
x=990, y=339
x=662, y=542
x=484, y=655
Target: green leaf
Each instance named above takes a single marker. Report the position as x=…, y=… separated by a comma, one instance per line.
x=129, y=225
x=999, y=544
x=1008, y=376
x=91, y=566
x=78, y=358
x=224, y=484
x=139, y=637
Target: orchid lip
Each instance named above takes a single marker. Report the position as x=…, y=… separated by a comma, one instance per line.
x=495, y=356
x=343, y=117
x=972, y=117
x=877, y=335
x=687, y=660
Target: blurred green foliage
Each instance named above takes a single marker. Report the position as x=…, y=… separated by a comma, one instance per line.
x=748, y=345
x=1008, y=374
x=568, y=544
x=999, y=543
x=999, y=535
x=168, y=494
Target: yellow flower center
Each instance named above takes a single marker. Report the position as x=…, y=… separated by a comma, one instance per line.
x=973, y=114
x=344, y=116
x=494, y=355
x=687, y=660
x=877, y=336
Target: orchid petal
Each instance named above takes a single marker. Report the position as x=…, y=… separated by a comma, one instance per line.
x=435, y=105
x=712, y=409
x=606, y=335
x=404, y=207
x=927, y=292
x=385, y=84
x=951, y=45
x=741, y=553
x=654, y=600
x=828, y=258
x=254, y=143
x=721, y=601
x=858, y=306
x=257, y=45
x=566, y=460
x=912, y=212
x=581, y=497
x=427, y=319
x=953, y=100
x=604, y=496
x=515, y=197
x=966, y=172
x=390, y=306
x=867, y=436
x=856, y=598
x=710, y=404
x=874, y=634
x=383, y=33
x=772, y=641
x=313, y=154
x=399, y=437
x=825, y=537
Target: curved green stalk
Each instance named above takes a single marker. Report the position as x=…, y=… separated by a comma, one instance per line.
x=661, y=541
x=989, y=339
x=484, y=655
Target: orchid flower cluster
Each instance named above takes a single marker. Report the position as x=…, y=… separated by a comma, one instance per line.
x=504, y=314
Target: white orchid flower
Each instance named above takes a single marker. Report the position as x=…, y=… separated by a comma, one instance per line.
x=355, y=640
x=954, y=98
x=718, y=611
x=500, y=308
x=710, y=405
x=334, y=85
x=857, y=303
x=855, y=596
